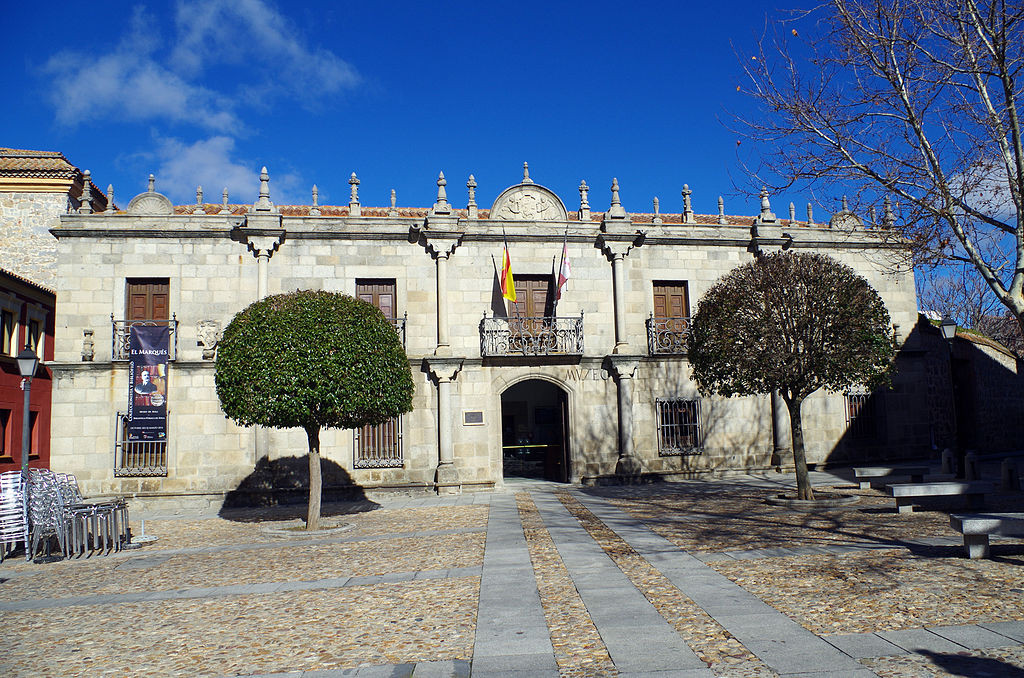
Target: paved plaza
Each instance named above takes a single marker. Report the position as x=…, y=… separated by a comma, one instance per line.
x=697, y=578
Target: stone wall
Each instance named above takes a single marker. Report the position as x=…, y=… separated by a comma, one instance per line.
x=26, y=246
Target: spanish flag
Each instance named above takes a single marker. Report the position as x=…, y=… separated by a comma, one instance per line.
x=508, y=285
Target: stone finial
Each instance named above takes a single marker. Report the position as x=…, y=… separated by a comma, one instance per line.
x=110, y=198
x=810, y=214
x=393, y=211
x=314, y=210
x=263, y=204
x=199, y=201
x=792, y=212
x=615, y=210
x=888, y=219
x=526, y=173
x=687, y=205
x=766, y=208
x=873, y=216
x=86, y=206
x=224, y=209
x=584, y=213
x=657, y=211
x=846, y=208
x=442, y=206
x=471, y=205
x=721, y=212
x=354, y=209
x=152, y=184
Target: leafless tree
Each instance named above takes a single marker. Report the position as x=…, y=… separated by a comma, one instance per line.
x=914, y=99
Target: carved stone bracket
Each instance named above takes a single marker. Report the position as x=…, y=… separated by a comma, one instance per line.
x=623, y=366
x=444, y=370
x=260, y=242
x=619, y=249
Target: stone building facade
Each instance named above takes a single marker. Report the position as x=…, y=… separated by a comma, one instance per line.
x=589, y=389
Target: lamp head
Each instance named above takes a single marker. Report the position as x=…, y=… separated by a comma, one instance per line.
x=947, y=327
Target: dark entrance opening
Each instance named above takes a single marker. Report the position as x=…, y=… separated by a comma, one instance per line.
x=534, y=431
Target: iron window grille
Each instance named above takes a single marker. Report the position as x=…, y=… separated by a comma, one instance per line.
x=137, y=457
x=861, y=423
x=679, y=430
x=122, y=335
x=379, y=446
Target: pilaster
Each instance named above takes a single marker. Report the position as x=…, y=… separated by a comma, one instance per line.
x=444, y=371
x=624, y=368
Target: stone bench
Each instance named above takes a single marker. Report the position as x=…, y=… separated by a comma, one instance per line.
x=906, y=494
x=976, y=528
x=865, y=474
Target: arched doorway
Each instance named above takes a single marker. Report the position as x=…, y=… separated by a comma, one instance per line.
x=534, y=431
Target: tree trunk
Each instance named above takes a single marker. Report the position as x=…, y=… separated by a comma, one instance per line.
x=315, y=481
x=803, y=482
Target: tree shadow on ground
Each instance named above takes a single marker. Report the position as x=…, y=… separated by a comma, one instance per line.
x=960, y=665
x=278, y=489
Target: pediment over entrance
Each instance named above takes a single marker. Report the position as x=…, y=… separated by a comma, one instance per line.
x=528, y=202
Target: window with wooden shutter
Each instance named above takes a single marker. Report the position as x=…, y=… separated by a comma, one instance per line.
x=148, y=299
x=379, y=446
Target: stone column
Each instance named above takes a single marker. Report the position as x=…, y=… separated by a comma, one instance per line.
x=443, y=347
x=444, y=372
x=617, y=251
x=263, y=247
x=624, y=368
x=782, y=445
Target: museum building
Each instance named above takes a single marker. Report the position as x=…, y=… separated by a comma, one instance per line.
x=583, y=379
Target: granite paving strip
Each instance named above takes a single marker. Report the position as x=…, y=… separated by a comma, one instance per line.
x=784, y=645
x=637, y=637
x=511, y=631
x=712, y=643
x=236, y=589
x=996, y=663
x=579, y=650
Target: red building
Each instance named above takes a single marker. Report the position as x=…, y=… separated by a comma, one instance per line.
x=26, y=318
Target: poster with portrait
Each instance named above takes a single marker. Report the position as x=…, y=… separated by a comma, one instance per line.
x=147, y=382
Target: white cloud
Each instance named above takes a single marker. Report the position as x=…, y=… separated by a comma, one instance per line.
x=255, y=50
x=254, y=33
x=207, y=163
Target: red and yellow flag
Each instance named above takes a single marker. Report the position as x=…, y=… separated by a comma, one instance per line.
x=508, y=285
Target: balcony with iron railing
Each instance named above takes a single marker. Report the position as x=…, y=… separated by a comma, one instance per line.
x=540, y=336
x=667, y=336
x=121, y=335
x=137, y=458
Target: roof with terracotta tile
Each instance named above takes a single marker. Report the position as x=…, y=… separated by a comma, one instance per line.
x=26, y=163
x=4, y=273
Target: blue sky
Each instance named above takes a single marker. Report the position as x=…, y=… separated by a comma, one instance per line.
x=207, y=91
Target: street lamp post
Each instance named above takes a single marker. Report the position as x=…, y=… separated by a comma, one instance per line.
x=948, y=329
x=28, y=363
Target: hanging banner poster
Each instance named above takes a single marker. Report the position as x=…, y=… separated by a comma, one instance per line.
x=147, y=382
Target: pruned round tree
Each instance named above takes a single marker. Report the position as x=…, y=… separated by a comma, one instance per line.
x=792, y=323
x=312, y=360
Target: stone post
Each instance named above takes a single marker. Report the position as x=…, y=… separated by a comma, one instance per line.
x=624, y=368
x=444, y=372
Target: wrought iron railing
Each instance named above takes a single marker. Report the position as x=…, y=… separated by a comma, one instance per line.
x=122, y=333
x=531, y=336
x=134, y=458
x=379, y=446
x=667, y=335
x=399, y=324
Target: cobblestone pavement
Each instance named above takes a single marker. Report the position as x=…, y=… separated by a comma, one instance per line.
x=699, y=578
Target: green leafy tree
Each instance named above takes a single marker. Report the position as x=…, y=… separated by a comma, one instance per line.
x=792, y=323
x=312, y=360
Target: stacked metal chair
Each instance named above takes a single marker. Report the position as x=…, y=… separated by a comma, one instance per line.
x=45, y=511
x=13, y=516
x=107, y=521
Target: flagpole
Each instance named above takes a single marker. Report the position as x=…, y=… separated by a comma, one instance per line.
x=561, y=262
